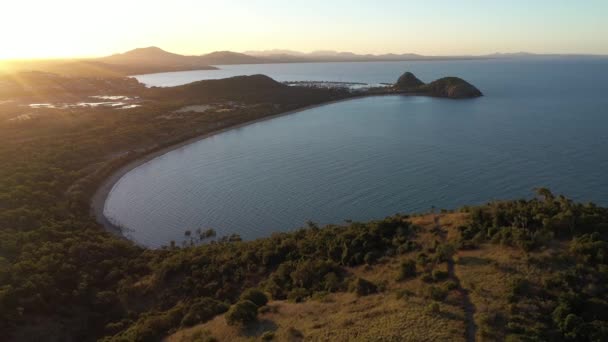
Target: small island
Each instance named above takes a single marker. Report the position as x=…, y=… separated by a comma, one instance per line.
x=407, y=84
x=448, y=87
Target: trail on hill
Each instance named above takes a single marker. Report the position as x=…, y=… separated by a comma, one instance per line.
x=467, y=305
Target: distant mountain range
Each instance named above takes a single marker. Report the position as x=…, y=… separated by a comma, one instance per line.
x=155, y=60
x=157, y=56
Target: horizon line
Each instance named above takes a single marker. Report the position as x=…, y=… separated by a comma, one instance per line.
x=247, y=52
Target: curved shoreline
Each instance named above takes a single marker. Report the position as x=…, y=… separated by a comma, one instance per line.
x=98, y=201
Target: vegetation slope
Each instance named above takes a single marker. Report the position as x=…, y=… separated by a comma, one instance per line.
x=519, y=270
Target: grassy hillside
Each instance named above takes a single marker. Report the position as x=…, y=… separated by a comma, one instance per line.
x=483, y=289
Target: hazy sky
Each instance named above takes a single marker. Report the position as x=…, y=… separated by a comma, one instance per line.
x=60, y=28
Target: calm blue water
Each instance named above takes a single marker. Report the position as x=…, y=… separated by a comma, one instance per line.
x=541, y=123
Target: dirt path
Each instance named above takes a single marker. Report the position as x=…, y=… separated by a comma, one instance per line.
x=467, y=305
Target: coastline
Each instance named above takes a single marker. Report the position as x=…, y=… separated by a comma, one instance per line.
x=100, y=196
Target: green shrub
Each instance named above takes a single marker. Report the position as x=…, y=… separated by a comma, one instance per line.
x=153, y=326
x=407, y=270
x=258, y=297
x=202, y=310
x=332, y=282
x=371, y=257
x=202, y=336
x=267, y=336
x=298, y=295
x=427, y=278
x=439, y=275
x=444, y=252
x=404, y=293
x=320, y=296
x=434, y=308
x=363, y=287
x=244, y=311
x=294, y=333
x=450, y=285
x=422, y=259
x=437, y=293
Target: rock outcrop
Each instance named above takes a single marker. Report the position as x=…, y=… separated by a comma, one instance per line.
x=453, y=88
x=448, y=87
x=408, y=81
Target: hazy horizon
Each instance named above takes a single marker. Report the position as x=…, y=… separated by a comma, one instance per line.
x=72, y=29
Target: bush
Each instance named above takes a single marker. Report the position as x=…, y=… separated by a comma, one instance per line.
x=450, y=285
x=439, y=275
x=427, y=278
x=422, y=258
x=267, y=336
x=298, y=295
x=363, y=287
x=295, y=333
x=244, y=311
x=258, y=297
x=400, y=294
x=371, y=257
x=444, y=252
x=203, y=310
x=437, y=293
x=320, y=296
x=332, y=282
x=434, y=308
x=153, y=326
x=407, y=270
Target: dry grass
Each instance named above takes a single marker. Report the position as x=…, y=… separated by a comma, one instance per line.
x=387, y=316
x=344, y=317
x=400, y=312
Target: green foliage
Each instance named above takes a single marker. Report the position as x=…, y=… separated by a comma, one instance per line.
x=407, y=269
x=152, y=326
x=294, y=333
x=256, y=296
x=298, y=295
x=243, y=312
x=434, y=308
x=363, y=287
x=202, y=310
x=267, y=336
x=444, y=252
x=439, y=275
x=437, y=293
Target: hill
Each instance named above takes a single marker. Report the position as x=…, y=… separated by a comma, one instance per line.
x=154, y=57
x=474, y=274
x=134, y=62
x=247, y=89
x=287, y=56
x=229, y=57
x=448, y=87
x=452, y=87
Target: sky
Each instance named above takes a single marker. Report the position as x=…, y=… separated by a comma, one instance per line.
x=88, y=28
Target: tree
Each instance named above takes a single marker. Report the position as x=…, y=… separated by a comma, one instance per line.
x=363, y=287
x=256, y=296
x=545, y=193
x=407, y=270
x=244, y=311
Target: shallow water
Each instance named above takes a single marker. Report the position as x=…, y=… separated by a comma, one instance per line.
x=541, y=123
